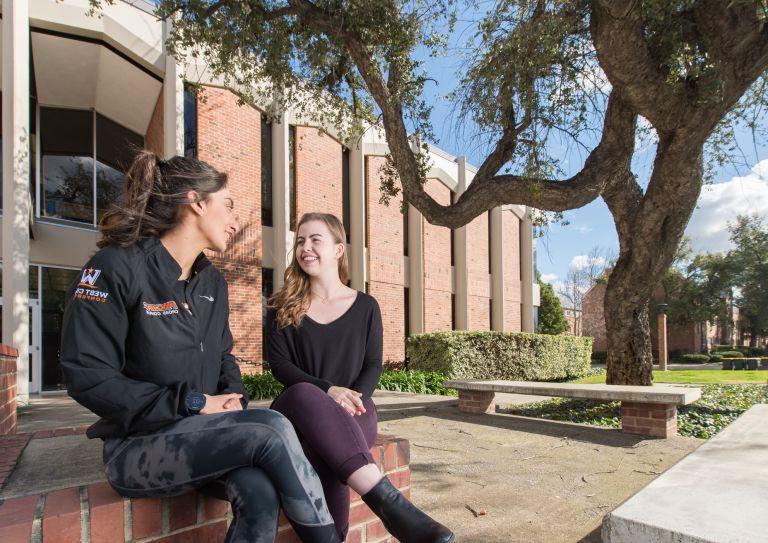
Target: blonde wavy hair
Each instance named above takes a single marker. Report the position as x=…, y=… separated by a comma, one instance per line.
x=293, y=299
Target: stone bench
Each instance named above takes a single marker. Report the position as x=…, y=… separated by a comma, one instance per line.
x=717, y=493
x=93, y=512
x=648, y=411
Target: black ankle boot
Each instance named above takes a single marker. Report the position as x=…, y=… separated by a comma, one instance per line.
x=402, y=519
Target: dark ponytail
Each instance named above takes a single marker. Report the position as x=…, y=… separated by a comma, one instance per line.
x=154, y=192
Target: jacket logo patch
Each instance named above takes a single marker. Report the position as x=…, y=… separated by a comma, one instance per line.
x=89, y=277
x=159, y=310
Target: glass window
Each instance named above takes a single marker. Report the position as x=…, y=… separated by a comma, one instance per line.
x=33, y=292
x=67, y=168
x=489, y=242
x=453, y=242
x=292, y=174
x=453, y=311
x=55, y=282
x=267, y=288
x=266, y=173
x=405, y=231
x=345, y=156
x=406, y=306
x=116, y=148
x=190, y=123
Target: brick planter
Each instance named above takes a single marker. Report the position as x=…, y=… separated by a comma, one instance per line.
x=649, y=419
x=96, y=513
x=8, y=356
x=477, y=401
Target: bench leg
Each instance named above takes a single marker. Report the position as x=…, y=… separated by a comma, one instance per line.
x=649, y=419
x=473, y=401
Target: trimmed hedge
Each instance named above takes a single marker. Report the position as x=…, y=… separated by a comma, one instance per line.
x=731, y=354
x=500, y=355
x=600, y=356
x=694, y=358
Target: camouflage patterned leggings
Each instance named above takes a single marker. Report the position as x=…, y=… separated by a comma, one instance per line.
x=252, y=458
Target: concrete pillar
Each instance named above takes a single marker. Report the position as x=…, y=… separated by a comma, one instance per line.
x=16, y=179
x=281, y=202
x=497, y=269
x=358, y=270
x=663, y=354
x=526, y=265
x=173, y=102
x=415, y=270
x=460, y=258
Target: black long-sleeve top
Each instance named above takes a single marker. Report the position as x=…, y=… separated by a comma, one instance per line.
x=346, y=352
x=131, y=353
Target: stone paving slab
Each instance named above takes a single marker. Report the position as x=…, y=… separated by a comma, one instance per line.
x=718, y=493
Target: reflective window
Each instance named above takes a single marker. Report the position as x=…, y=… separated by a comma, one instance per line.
x=267, y=288
x=190, y=123
x=67, y=164
x=292, y=174
x=55, y=283
x=345, y=156
x=266, y=173
x=116, y=147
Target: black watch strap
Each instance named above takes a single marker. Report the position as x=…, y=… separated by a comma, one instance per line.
x=195, y=402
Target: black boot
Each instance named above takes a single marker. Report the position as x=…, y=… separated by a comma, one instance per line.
x=402, y=519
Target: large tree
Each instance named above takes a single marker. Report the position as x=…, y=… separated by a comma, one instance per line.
x=750, y=263
x=533, y=75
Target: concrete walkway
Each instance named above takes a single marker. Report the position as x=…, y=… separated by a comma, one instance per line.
x=528, y=480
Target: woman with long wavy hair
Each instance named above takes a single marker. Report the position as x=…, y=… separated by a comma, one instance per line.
x=325, y=345
x=146, y=345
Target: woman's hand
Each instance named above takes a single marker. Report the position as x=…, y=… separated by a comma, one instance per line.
x=349, y=399
x=221, y=403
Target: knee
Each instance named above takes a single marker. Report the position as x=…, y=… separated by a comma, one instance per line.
x=251, y=492
x=302, y=393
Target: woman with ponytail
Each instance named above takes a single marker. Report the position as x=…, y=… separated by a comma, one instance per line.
x=325, y=345
x=146, y=345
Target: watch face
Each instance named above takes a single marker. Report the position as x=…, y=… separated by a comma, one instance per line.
x=195, y=401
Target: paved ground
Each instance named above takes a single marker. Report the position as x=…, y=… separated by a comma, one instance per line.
x=536, y=480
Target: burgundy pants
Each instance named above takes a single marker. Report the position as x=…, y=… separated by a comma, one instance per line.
x=336, y=443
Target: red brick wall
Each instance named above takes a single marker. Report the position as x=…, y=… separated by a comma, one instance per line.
x=511, y=250
x=153, y=139
x=229, y=139
x=592, y=318
x=437, y=266
x=318, y=173
x=478, y=278
x=8, y=356
x=188, y=517
x=386, y=269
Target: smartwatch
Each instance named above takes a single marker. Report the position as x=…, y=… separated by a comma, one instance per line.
x=195, y=402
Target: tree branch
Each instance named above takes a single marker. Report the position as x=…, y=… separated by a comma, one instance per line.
x=625, y=57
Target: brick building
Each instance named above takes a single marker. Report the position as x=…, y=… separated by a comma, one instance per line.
x=78, y=89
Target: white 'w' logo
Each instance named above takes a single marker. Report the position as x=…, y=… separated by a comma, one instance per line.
x=89, y=276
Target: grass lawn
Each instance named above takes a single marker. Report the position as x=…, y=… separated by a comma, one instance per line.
x=685, y=377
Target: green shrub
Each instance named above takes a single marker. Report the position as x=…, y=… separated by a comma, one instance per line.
x=731, y=354
x=500, y=355
x=756, y=351
x=694, y=358
x=715, y=357
x=675, y=353
x=599, y=356
x=419, y=382
x=719, y=348
x=262, y=386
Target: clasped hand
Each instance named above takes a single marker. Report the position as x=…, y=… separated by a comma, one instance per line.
x=349, y=399
x=221, y=403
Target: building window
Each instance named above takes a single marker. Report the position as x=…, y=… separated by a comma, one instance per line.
x=453, y=311
x=453, y=242
x=489, y=241
x=406, y=305
x=55, y=282
x=367, y=288
x=520, y=245
x=535, y=316
x=405, y=230
x=367, y=208
x=266, y=173
x=267, y=288
x=75, y=144
x=190, y=123
x=115, y=149
x=292, y=175
x=490, y=313
x=345, y=156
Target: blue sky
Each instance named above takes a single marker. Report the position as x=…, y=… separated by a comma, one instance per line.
x=734, y=190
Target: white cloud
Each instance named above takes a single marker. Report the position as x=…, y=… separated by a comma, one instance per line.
x=548, y=277
x=579, y=262
x=721, y=203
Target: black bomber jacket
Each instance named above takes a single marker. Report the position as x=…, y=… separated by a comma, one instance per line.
x=131, y=352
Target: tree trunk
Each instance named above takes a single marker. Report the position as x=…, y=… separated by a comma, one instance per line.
x=630, y=358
